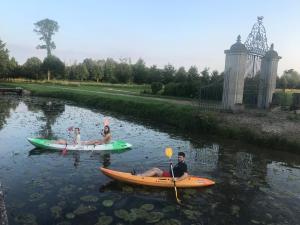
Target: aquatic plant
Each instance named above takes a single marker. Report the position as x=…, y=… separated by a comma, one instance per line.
x=104, y=220
x=108, y=203
x=83, y=209
x=56, y=211
x=89, y=198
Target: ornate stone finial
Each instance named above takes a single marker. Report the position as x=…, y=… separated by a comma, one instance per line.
x=238, y=39
x=272, y=47
x=259, y=19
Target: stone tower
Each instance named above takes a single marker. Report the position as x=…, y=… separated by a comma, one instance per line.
x=267, y=81
x=234, y=74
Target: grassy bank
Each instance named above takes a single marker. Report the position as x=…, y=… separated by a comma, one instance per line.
x=186, y=117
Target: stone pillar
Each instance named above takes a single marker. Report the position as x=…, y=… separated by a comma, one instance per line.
x=267, y=81
x=234, y=74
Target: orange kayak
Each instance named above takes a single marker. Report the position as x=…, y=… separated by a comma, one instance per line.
x=190, y=182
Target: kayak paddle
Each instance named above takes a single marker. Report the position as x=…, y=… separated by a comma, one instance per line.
x=65, y=150
x=169, y=153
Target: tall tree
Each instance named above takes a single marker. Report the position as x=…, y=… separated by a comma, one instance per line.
x=53, y=65
x=46, y=29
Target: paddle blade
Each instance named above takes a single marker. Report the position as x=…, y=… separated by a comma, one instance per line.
x=169, y=152
x=106, y=122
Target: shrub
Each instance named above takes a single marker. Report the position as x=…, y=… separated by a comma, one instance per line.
x=156, y=87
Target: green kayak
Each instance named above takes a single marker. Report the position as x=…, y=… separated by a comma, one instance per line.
x=50, y=144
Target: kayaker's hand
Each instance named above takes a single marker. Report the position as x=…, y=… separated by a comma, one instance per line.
x=174, y=179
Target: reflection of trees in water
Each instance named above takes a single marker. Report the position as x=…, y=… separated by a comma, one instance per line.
x=6, y=104
x=51, y=109
x=207, y=157
x=244, y=164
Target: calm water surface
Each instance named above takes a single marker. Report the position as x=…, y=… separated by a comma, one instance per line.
x=253, y=185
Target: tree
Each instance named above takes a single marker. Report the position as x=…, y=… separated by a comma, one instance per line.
x=123, y=72
x=4, y=60
x=139, y=72
x=193, y=74
x=54, y=65
x=13, y=67
x=156, y=87
x=81, y=72
x=154, y=75
x=290, y=78
x=205, y=76
x=168, y=73
x=180, y=75
x=109, y=70
x=46, y=29
x=32, y=68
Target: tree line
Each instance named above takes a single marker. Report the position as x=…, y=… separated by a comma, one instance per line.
x=168, y=80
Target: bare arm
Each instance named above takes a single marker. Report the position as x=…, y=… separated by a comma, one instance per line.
x=185, y=175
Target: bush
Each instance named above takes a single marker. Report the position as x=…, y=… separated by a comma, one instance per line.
x=156, y=87
x=282, y=99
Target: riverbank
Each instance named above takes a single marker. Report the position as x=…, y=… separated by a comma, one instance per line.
x=277, y=130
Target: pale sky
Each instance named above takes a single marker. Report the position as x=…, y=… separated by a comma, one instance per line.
x=180, y=32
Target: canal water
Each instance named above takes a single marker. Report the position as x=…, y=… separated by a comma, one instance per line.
x=253, y=185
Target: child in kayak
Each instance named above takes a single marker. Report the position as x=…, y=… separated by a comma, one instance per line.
x=106, y=137
x=180, y=170
x=76, y=140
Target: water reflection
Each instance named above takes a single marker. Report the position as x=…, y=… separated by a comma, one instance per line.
x=253, y=185
x=7, y=105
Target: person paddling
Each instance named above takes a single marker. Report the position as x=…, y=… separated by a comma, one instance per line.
x=180, y=170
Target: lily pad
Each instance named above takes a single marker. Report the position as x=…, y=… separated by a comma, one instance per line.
x=56, y=211
x=235, y=209
x=104, y=220
x=132, y=216
x=122, y=214
x=42, y=205
x=26, y=219
x=140, y=213
x=154, y=217
x=169, y=208
x=108, y=203
x=89, y=198
x=35, y=197
x=192, y=215
x=127, y=189
x=83, y=209
x=147, y=207
x=70, y=216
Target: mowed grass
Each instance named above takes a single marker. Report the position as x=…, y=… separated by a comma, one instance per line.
x=130, y=92
x=131, y=89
